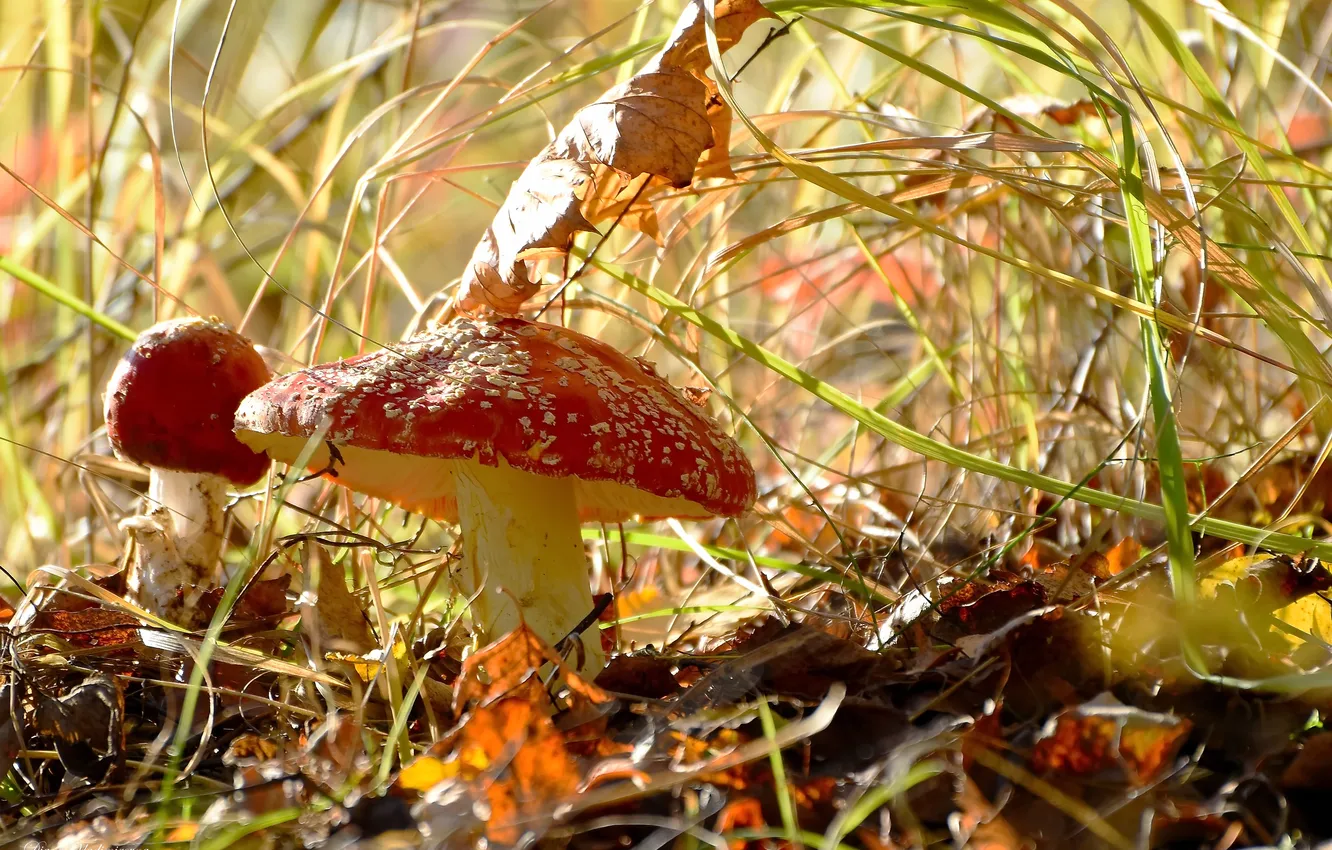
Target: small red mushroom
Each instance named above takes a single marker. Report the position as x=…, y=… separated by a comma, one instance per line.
x=518, y=431
x=170, y=405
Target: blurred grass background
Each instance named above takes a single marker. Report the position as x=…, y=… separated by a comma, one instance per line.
x=1011, y=307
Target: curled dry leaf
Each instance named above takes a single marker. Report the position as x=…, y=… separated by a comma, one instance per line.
x=644, y=134
x=332, y=618
x=87, y=725
x=265, y=599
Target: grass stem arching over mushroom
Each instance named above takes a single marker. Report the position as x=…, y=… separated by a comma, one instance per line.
x=169, y=405
x=519, y=431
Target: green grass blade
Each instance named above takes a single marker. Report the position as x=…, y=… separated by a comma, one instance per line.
x=66, y=299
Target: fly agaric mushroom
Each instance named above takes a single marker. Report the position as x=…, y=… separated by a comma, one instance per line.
x=170, y=405
x=518, y=431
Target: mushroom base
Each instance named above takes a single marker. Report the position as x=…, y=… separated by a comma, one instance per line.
x=196, y=502
x=158, y=579
x=523, y=555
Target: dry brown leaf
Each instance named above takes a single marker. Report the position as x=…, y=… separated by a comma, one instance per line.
x=717, y=158
x=92, y=627
x=642, y=135
x=87, y=725
x=627, y=204
x=1033, y=106
x=336, y=620
x=263, y=600
x=510, y=662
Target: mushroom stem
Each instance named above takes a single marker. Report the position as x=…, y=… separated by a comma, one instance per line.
x=523, y=550
x=197, y=503
x=158, y=571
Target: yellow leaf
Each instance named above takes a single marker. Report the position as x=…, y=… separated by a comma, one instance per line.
x=368, y=666
x=183, y=833
x=425, y=773
x=1227, y=574
x=1312, y=614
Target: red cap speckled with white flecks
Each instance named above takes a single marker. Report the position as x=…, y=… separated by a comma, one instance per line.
x=172, y=398
x=541, y=398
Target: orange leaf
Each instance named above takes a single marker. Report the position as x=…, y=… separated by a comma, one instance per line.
x=742, y=813
x=511, y=661
x=1104, y=734
x=519, y=762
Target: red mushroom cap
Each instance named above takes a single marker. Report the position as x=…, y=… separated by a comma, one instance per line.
x=541, y=398
x=171, y=401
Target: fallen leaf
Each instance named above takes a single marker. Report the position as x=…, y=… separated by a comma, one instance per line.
x=183, y=833
x=1286, y=589
x=1104, y=734
x=737, y=814
x=88, y=725
x=90, y=627
x=527, y=770
x=649, y=132
x=250, y=748
x=503, y=666
x=981, y=608
x=1267, y=582
x=1311, y=614
x=333, y=620
x=515, y=764
x=639, y=675
x=367, y=666
x=797, y=660
x=1312, y=765
x=425, y=773
x=262, y=600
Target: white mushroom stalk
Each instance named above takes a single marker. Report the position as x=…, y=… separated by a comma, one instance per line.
x=169, y=406
x=523, y=555
x=196, y=504
x=158, y=570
